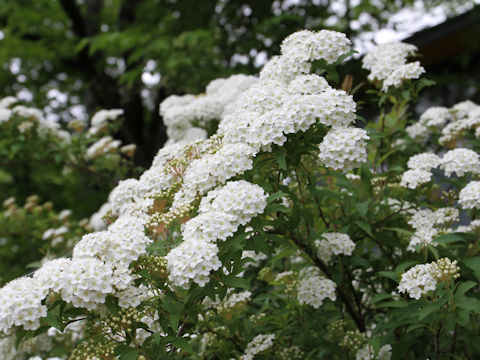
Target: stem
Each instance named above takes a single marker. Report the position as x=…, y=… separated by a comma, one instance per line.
x=357, y=318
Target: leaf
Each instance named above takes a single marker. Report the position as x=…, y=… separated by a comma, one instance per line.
x=469, y=303
x=448, y=238
x=112, y=305
x=275, y=196
x=54, y=321
x=380, y=297
x=174, y=310
x=280, y=157
x=364, y=226
x=235, y=282
x=474, y=264
x=389, y=274
x=393, y=304
x=183, y=344
x=362, y=208
x=126, y=352
x=430, y=308
x=463, y=288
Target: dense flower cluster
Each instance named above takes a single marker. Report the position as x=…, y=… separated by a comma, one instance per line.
x=180, y=112
x=428, y=224
x=313, y=289
x=220, y=214
x=344, y=148
x=423, y=278
x=334, y=244
x=387, y=62
x=460, y=161
x=470, y=195
x=259, y=344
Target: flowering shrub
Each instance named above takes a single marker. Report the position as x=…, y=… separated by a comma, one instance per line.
x=290, y=233
x=43, y=159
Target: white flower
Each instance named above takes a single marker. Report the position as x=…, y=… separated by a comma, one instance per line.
x=423, y=161
x=257, y=345
x=470, y=196
x=417, y=281
x=460, y=161
x=344, y=148
x=413, y=178
x=334, y=244
x=313, y=289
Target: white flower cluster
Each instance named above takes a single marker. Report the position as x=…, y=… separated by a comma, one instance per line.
x=31, y=117
x=21, y=304
x=179, y=112
x=470, y=195
x=435, y=117
x=464, y=115
x=367, y=353
x=103, y=146
x=387, y=62
x=313, y=289
x=101, y=118
x=220, y=214
x=423, y=278
x=257, y=345
x=334, y=244
x=460, y=161
x=426, y=222
x=420, y=166
x=417, y=281
x=344, y=148
x=287, y=99
x=213, y=169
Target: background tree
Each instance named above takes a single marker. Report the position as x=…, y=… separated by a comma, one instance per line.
x=96, y=51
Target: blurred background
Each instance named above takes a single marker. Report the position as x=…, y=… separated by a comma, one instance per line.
x=73, y=57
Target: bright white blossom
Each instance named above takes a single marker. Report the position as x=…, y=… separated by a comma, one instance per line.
x=334, y=244
x=460, y=161
x=344, y=148
x=470, y=195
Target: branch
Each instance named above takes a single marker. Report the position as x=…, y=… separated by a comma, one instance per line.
x=359, y=321
x=73, y=12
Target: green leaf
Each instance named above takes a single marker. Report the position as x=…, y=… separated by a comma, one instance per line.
x=463, y=288
x=280, y=157
x=380, y=297
x=364, y=226
x=126, y=352
x=430, y=308
x=362, y=208
x=112, y=305
x=235, y=282
x=474, y=264
x=392, y=304
x=183, y=344
x=469, y=303
x=389, y=274
x=174, y=310
x=54, y=321
x=275, y=196
x=448, y=238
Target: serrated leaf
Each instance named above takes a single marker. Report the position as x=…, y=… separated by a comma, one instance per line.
x=275, y=196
